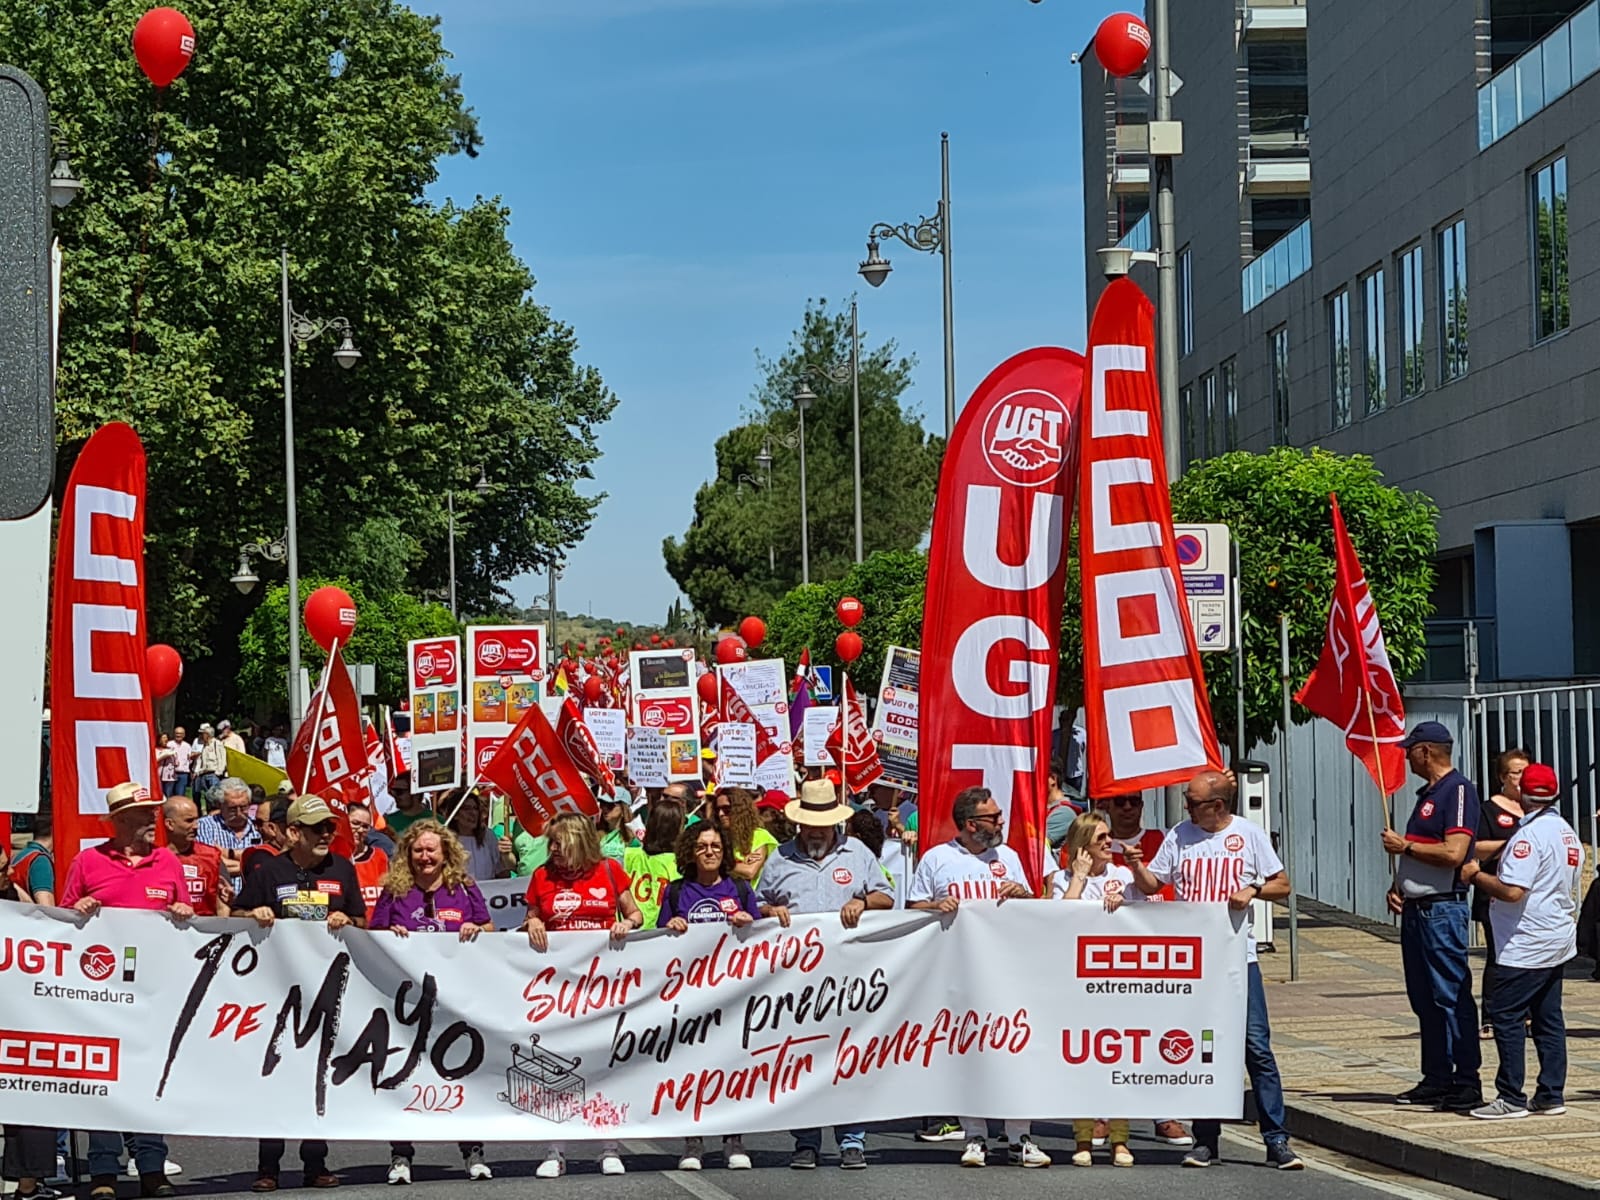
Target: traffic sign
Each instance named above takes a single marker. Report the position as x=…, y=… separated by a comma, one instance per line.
x=1205, y=556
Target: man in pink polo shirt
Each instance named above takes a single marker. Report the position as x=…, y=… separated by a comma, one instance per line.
x=128, y=871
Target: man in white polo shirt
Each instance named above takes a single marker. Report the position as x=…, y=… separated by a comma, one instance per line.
x=976, y=864
x=1532, y=911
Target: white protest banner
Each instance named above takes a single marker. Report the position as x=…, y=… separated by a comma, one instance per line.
x=647, y=757
x=609, y=728
x=435, y=713
x=762, y=685
x=126, y=1020
x=894, y=723
x=817, y=723
x=505, y=673
x=664, y=698
x=736, y=754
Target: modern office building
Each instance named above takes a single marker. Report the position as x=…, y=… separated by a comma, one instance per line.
x=1350, y=167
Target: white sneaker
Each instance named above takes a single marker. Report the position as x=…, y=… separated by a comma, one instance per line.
x=693, y=1151
x=611, y=1161
x=733, y=1150
x=553, y=1167
x=976, y=1154
x=399, y=1170
x=1026, y=1154
x=169, y=1167
x=476, y=1167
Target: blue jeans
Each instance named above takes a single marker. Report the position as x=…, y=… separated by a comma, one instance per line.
x=1262, y=1068
x=1533, y=993
x=811, y=1139
x=149, y=1152
x=1433, y=950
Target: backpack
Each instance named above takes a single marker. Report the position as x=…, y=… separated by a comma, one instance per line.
x=675, y=889
x=19, y=875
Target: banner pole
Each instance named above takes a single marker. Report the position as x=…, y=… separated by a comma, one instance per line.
x=322, y=705
x=1288, y=800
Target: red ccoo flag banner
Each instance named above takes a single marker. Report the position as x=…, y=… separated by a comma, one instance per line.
x=579, y=742
x=1353, y=684
x=1148, y=718
x=992, y=613
x=329, y=754
x=101, y=733
x=533, y=770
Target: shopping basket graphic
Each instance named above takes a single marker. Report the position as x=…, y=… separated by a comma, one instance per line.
x=543, y=1083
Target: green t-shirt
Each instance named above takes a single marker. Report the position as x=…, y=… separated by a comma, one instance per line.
x=531, y=852
x=649, y=875
x=761, y=839
x=615, y=844
x=397, y=822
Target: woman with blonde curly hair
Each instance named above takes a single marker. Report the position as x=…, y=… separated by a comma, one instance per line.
x=746, y=833
x=428, y=890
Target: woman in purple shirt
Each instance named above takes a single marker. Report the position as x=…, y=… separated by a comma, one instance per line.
x=707, y=893
x=428, y=890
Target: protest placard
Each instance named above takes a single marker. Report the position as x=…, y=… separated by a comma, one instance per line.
x=609, y=728
x=435, y=674
x=736, y=754
x=664, y=699
x=818, y=722
x=647, y=757
x=894, y=723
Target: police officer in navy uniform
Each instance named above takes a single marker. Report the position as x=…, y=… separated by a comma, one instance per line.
x=1431, y=899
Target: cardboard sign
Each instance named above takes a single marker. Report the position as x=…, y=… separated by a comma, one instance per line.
x=504, y=677
x=647, y=757
x=894, y=724
x=609, y=728
x=663, y=699
x=819, y=721
x=434, y=669
x=736, y=754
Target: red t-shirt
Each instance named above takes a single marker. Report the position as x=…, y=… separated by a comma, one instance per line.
x=202, y=874
x=587, y=902
x=370, y=871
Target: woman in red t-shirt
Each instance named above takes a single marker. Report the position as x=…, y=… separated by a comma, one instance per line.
x=578, y=888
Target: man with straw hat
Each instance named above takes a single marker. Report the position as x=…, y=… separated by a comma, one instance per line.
x=128, y=870
x=821, y=869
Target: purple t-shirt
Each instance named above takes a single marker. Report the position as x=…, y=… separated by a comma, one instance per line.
x=451, y=909
x=698, y=904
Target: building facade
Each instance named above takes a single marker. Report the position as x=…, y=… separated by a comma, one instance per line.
x=1352, y=171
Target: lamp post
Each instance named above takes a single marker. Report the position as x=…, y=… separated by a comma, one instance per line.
x=297, y=331
x=245, y=578
x=803, y=399
x=848, y=373
x=483, y=487
x=930, y=235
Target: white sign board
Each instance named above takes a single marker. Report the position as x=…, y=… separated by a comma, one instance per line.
x=609, y=728
x=647, y=757
x=1206, y=556
x=818, y=723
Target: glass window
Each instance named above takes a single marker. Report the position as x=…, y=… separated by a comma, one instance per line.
x=1453, y=301
x=1529, y=71
x=1230, y=404
x=1339, y=355
x=1557, y=63
x=1548, y=187
x=1185, y=303
x=1186, y=418
x=1280, y=385
x=1372, y=342
x=1585, y=42
x=1413, y=376
x=1208, y=414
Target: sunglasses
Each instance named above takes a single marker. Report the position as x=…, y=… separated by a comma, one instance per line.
x=995, y=817
x=708, y=848
x=1127, y=802
x=327, y=827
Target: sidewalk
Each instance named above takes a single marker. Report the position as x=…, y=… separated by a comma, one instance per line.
x=1346, y=1043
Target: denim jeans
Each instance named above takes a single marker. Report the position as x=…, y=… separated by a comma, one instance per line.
x=811, y=1139
x=1433, y=950
x=1532, y=993
x=149, y=1152
x=1262, y=1068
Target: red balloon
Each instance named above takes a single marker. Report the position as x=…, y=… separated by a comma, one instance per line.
x=163, y=42
x=850, y=611
x=638, y=645
x=1122, y=43
x=622, y=633
x=593, y=689
x=848, y=646
x=670, y=644
x=707, y=687
x=753, y=630
x=582, y=647
x=163, y=667
x=731, y=650
x=330, y=616
x=655, y=639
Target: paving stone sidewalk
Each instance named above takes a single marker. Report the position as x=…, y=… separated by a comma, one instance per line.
x=1347, y=1042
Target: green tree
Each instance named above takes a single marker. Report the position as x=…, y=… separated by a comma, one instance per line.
x=384, y=626
x=319, y=127
x=742, y=552
x=890, y=586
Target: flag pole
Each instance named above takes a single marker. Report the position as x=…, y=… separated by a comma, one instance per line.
x=1288, y=802
x=322, y=706
x=1377, y=758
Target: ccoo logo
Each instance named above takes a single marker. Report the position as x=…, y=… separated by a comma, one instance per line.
x=1025, y=438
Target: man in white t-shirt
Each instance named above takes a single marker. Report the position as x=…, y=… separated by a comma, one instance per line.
x=1216, y=857
x=976, y=864
x=1532, y=911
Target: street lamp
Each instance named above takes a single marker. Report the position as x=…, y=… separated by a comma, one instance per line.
x=297, y=331
x=851, y=372
x=804, y=398
x=64, y=185
x=483, y=487
x=245, y=578
x=929, y=235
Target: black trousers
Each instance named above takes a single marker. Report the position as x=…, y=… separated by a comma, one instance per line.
x=313, y=1156
x=30, y=1152
x=407, y=1150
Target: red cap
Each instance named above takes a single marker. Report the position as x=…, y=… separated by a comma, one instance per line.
x=774, y=800
x=1539, y=782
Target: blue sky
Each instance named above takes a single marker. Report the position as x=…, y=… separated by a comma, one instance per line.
x=685, y=174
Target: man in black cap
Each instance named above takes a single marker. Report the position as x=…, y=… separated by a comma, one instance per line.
x=1431, y=898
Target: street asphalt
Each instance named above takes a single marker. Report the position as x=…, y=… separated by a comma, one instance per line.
x=899, y=1168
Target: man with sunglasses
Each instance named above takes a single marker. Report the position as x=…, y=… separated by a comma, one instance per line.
x=1216, y=857
x=307, y=882
x=976, y=864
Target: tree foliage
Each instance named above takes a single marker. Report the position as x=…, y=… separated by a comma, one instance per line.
x=889, y=585
x=743, y=551
x=317, y=127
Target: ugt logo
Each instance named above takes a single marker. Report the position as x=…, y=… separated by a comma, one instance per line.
x=1025, y=438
